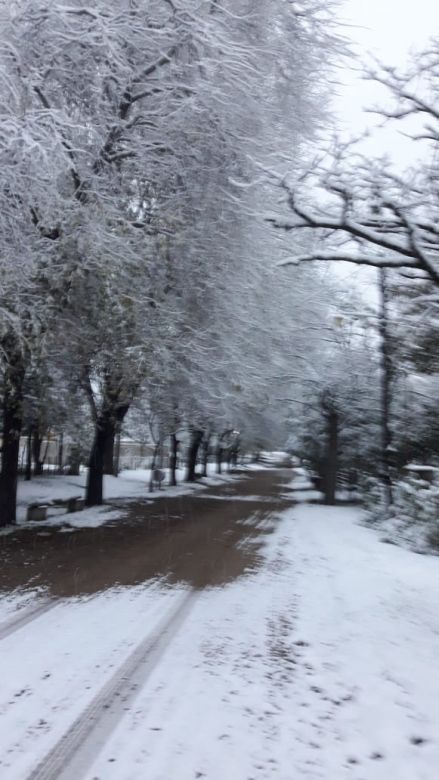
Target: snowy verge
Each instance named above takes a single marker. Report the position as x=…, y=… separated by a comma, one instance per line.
x=131, y=485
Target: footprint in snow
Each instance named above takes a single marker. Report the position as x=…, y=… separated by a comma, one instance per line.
x=418, y=740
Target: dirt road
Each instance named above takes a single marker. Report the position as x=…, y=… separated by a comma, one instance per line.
x=196, y=539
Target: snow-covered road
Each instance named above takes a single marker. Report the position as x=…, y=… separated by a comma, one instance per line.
x=317, y=659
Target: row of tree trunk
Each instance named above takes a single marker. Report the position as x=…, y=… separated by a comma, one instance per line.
x=104, y=452
x=108, y=423
x=12, y=423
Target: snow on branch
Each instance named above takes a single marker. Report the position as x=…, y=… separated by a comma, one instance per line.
x=383, y=221
x=357, y=209
x=338, y=257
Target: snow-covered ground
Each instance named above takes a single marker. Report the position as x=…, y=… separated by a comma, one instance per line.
x=130, y=484
x=321, y=664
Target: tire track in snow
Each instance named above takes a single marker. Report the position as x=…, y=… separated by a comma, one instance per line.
x=74, y=752
x=26, y=616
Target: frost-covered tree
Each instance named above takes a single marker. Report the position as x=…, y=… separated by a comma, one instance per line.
x=335, y=399
x=125, y=129
x=362, y=211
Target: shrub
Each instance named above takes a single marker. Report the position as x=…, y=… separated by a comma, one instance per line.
x=414, y=519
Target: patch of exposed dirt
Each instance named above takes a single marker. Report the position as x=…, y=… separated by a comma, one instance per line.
x=192, y=539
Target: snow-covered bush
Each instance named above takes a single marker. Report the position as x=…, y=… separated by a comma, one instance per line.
x=433, y=530
x=372, y=498
x=414, y=517
x=414, y=520
x=415, y=500
x=417, y=511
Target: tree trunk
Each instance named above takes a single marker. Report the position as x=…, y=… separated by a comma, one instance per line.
x=173, y=456
x=61, y=453
x=109, y=449
x=104, y=430
x=386, y=380
x=196, y=439
x=116, y=418
x=219, y=458
x=109, y=420
x=206, y=450
x=331, y=464
x=117, y=454
x=37, y=441
x=28, y=473
x=12, y=421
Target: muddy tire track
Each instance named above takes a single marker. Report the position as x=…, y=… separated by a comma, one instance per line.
x=26, y=616
x=72, y=755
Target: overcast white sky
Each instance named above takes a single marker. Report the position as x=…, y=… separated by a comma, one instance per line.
x=390, y=29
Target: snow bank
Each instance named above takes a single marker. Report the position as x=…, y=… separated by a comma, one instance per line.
x=130, y=485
